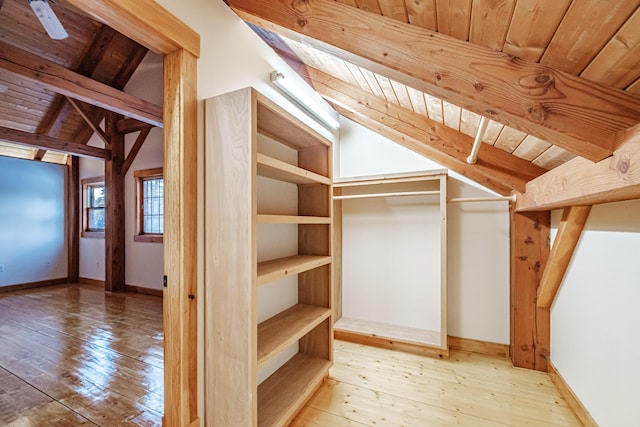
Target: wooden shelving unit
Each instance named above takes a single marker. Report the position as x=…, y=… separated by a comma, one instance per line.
x=240, y=128
x=432, y=183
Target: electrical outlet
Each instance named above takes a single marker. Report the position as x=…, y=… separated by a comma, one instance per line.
x=1, y=268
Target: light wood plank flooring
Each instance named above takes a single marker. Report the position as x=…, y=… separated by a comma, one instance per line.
x=376, y=387
x=74, y=355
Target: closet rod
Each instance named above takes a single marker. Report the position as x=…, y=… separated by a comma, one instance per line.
x=399, y=193
x=483, y=199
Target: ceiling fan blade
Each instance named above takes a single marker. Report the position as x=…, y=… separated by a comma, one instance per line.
x=48, y=19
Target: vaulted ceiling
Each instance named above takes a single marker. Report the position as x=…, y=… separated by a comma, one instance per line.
x=558, y=80
x=54, y=93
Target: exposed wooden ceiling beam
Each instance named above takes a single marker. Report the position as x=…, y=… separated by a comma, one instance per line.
x=138, y=21
x=65, y=82
x=569, y=231
x=581, y=182
x=39, y=155
x=494, y=169
x=130, y=125
x=88, y=65
x=118, y=82
x=51, y=143
x=95, y=127
x=142, y=137
x=573, y=113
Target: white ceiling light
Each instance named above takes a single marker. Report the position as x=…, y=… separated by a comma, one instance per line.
x=326, y=115
x=48, y=19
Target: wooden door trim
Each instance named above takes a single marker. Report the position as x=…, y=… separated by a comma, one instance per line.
x=154, y=27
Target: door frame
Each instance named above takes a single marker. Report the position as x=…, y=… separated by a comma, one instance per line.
x=149, y=24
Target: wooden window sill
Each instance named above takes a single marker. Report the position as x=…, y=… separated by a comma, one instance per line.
x=148, y=238
x=92, y=234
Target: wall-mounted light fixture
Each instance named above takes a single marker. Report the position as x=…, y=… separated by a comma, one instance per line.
x=324, y=114
x=48, y=19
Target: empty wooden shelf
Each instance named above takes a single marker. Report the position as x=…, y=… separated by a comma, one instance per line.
x=268, y=186
x=268, y=271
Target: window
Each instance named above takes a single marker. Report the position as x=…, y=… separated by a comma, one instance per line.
x=150, y=205
x=93, y=202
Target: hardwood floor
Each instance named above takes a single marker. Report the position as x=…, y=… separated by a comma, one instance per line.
x=74, y=355
x=376, y=387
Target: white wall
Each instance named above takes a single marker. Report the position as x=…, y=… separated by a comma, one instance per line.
x=478, y=266
x=144, y=264
x=477, y=243
x=594, y=319
x=32, y=221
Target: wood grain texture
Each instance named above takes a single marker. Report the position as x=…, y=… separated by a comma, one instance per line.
x=454, y=18
x=479, y=347
x=575, y=114
x=617, y=63
x=490, y=21
x=180, y=232
x=144, y=21
x=58, y=79
x=534, y=24
x=282, y=330
x=584, y=30
x=530, y=326
x=277, y=169
x=337, y=257
x=74, y=355
x=135, y=149
x=420, y=134
x=234, y=345
x=581, y=182
x=394, y=344
x=230, y=276
x=73, y=219
x=299, y=378
x=269, y=271
x=50, y=143
x=114, y=230
x=422, y=13
x=569, y=232
x=369, y=5
x=394, y=9
x=373, y=387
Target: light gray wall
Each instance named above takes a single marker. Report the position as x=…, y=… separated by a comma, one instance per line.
x=32, y=221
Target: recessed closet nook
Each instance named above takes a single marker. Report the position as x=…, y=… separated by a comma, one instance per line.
x=311, y=247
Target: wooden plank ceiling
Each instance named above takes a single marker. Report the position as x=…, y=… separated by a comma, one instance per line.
x=400, y=65
x=32, y=107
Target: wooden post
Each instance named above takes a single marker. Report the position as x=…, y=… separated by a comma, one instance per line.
x=114, y=210
x=530, y=325
x=180, y=239
x=73, y=219
x=569, y=232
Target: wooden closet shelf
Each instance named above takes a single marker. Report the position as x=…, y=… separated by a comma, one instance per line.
x=281, y=395
x=277, y=169
x=287, y=327
x=292, y=219
x=277, y=123
x=269, y=271
x=393, y=194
